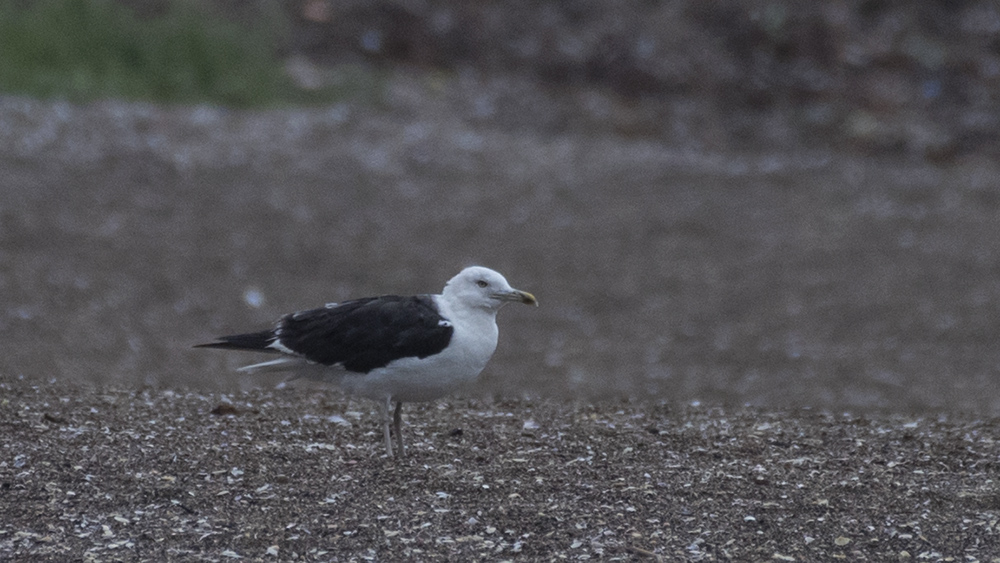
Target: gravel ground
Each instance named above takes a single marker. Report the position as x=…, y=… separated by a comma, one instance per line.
x=300, y=474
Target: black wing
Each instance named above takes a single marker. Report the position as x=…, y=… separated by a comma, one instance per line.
x=365, y=334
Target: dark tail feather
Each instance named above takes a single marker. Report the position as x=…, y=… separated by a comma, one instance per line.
x=258, y=341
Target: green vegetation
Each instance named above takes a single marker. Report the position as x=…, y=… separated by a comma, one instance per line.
x=88, y=49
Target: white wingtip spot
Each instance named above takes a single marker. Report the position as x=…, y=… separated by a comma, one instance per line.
x=277, y=345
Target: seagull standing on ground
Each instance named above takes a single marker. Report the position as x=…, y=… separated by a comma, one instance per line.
x=391, y=348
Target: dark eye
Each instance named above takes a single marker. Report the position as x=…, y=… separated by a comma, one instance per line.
x=482, y=283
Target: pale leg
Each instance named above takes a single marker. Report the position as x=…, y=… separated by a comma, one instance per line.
x=385, y=426
x=397, y=426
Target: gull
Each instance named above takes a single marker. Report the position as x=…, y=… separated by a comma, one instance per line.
x=390, y=348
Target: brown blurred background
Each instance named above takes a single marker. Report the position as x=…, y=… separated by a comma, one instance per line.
x=773, y=203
